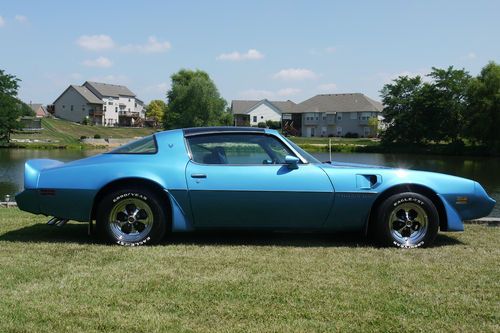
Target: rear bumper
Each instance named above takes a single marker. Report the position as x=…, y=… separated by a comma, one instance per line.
x=71, y=204
x=29, y=201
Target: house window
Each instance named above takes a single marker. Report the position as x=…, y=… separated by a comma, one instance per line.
x=261, y=117
x=339, y=117
x=129, y=99
x=354, y=115
x=110, y=102
x=254, y=119
x=64, y=106
x=104, y=107
x=116, y=109
x=71, y=107
x=128, y=109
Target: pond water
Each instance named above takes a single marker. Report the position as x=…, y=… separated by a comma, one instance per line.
x=485, y=170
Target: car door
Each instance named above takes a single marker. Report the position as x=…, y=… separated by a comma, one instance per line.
x=239, y=180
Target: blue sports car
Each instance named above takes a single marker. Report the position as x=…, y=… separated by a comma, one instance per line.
x=244, y=178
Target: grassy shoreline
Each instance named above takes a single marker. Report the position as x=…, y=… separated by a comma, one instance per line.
x=60, y=280
x=60, y=134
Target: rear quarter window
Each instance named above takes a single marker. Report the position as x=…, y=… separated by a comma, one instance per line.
x=145, y=145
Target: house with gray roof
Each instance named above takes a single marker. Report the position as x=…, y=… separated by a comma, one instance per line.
x=337, y=115
x=100, y=103
x=39, y=110
x=321, y=115
x=251, y=113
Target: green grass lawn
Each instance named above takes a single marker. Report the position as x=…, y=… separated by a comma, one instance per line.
x=60, y=280
x=69, y=133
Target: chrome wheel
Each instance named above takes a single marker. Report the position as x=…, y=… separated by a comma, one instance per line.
x=130, y=220
x=408, y=223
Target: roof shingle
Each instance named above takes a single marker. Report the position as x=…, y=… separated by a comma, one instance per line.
x=106, y=89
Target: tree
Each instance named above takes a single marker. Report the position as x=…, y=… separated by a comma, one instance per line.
x=11, y=109
x=194, y=101
x=483, y=112
x=374, y=124
x=444, y=101
x=156, y=110
x=403, y=118
x=418, y=112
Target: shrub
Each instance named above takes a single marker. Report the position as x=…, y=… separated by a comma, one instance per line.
x=262, y=125
x=97, y=136
x=83, y=137
x=351, y=135
x=273, y=124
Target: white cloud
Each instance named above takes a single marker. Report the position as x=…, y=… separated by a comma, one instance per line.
x=76, y=76
x=327, y=87
x=161, y=88
x=153, y=45
x=251, y=54
x=330, y=49
x=256, y=94
x=102, y=62
x=96, y=42
x=288, y=91
x=295, y=74
x=268, y=94
x=471, y=56
x=389, y=77
x=21, y=18
x=2, y=21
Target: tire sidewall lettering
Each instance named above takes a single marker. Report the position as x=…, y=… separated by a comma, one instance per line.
x=130, y=195
x=408, y=199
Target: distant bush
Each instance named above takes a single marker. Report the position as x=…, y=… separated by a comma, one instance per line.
x=273, y=124
x=97, y=136
x=83, y=137
x=262, y=125
x=351, y=135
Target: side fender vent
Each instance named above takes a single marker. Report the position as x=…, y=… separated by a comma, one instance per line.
x=368, y=182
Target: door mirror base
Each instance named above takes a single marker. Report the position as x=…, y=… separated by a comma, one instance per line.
x=292, y=162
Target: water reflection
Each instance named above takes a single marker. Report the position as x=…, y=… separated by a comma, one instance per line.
x=485, y=170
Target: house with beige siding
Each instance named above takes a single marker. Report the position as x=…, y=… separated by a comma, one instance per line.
x=100, y=103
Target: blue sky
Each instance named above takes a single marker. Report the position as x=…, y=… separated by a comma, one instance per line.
x=254, y=49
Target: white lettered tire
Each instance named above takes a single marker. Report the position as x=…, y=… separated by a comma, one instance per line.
x=131, y=217
x=406, y=220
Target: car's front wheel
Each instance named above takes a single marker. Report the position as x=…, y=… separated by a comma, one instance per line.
x=131, y=217
x=406, y=220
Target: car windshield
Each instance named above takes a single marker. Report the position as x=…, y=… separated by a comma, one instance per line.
x=145, y=145
x=306, y=155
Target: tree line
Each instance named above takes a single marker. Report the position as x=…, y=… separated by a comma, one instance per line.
x=447, y=106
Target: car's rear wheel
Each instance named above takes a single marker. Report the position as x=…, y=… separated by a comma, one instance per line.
x=131, y=217
x=406, y=220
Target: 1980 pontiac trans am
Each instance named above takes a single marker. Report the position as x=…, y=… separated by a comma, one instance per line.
x=244, y=178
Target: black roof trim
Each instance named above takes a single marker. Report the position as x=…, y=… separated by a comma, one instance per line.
x=220, y=129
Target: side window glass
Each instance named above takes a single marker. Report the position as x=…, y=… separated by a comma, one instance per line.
x=237, y=149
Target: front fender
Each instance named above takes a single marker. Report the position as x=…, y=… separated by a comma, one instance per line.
x=454, y=221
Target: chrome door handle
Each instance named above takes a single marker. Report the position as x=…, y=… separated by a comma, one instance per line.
x=198, y=175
